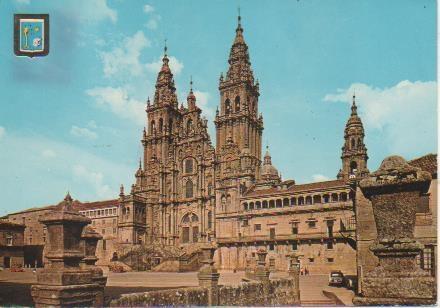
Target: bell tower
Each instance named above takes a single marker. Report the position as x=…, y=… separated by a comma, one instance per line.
x=238, y=122
x=354, y=153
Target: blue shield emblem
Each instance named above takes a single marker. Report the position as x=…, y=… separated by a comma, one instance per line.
x=31, y=34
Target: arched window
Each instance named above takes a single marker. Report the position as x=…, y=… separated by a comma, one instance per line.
x=308, y=200
x=237, y=104
x=194, y=218
x=271, y=203
x=245, y=206
x=209, y=220
x=292, y=201
x=279, y=203
x=170, y=125
x=251, y=205
x=152, y=126
x=209, y=189
x=286, y=202
x=326, y=198
x=343, y=196
x=317, y=199
x=189, y=165
x=359, y=142
x=160, y=125
x=264, y=204
x=334, y=197
x=189, y=126
x=353, y=143
x=301, y=200
x=258, y=204
x=353, y=167
x=227, y=106
x=189, y=189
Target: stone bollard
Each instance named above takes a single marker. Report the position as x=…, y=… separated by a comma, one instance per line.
x=261, y=273
x=394, y=191
x=62, y=282
x=293, y=271
x=89, y=241
x=208, y=274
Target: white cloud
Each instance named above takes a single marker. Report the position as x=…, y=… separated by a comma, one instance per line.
x=83, y=132
x=202, y=99
x=44, y=167
x=119, y=102
x=48, y=153
x=148, y=8
x=152, y=24
x=93, y=11
x=81, y=173
x=404, y=114
x=2, y=132
x=92, y=124
x=175, y=65
x=125, y=58
x=319, y=178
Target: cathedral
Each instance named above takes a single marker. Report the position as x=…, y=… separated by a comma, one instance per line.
x=188, y=192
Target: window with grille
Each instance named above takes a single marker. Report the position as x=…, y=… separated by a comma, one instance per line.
x=189, y=189
x=257, y=227
x=189, y=167
x=426, y=260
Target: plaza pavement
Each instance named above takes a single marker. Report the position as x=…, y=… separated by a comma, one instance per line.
x=15, y=287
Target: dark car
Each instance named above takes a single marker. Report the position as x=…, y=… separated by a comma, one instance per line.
x=336, y=278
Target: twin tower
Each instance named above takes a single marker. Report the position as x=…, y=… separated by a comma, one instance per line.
x=183, y=183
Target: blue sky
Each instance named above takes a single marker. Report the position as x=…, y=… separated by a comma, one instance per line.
x=73, y=120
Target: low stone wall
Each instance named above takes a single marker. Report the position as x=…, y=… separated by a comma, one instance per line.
x=196, y=296
x=275, y=292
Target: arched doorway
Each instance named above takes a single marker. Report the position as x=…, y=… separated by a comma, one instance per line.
x=189, y=228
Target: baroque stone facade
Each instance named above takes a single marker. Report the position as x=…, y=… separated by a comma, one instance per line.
x=188, y=192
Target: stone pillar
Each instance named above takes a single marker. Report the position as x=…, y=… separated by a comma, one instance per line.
x=293, y=271
x=208, y=275
x=395, y=190
x=62, y=282
x=261, y=273
x=89, y=241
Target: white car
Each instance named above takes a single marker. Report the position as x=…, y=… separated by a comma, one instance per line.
x=336, y=278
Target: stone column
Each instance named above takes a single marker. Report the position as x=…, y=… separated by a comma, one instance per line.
x=395, y=190
x=62, y=282
x=293, y=271
x=261, y=273
x=89, y=241
x=208, y=275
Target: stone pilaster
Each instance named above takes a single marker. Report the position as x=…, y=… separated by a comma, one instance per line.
x=89, y=241
x=261, y=273
x=395, y=190
x=208, y=274
x=293, y=271
x=62, y=282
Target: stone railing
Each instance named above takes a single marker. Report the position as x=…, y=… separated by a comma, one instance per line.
x=260, y=292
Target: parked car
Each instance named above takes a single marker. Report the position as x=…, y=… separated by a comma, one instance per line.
x=336, y=278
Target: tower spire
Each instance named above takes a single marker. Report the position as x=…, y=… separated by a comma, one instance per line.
x=165, y=48
x=353, y=105
x=239, y=19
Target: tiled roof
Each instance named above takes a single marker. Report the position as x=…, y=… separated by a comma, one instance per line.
x=427, y=163
x=5, y=223
x=77, y=205
x=95, y=205
x=297, y=188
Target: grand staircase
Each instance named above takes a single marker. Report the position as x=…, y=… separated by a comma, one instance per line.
x=162, y=258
